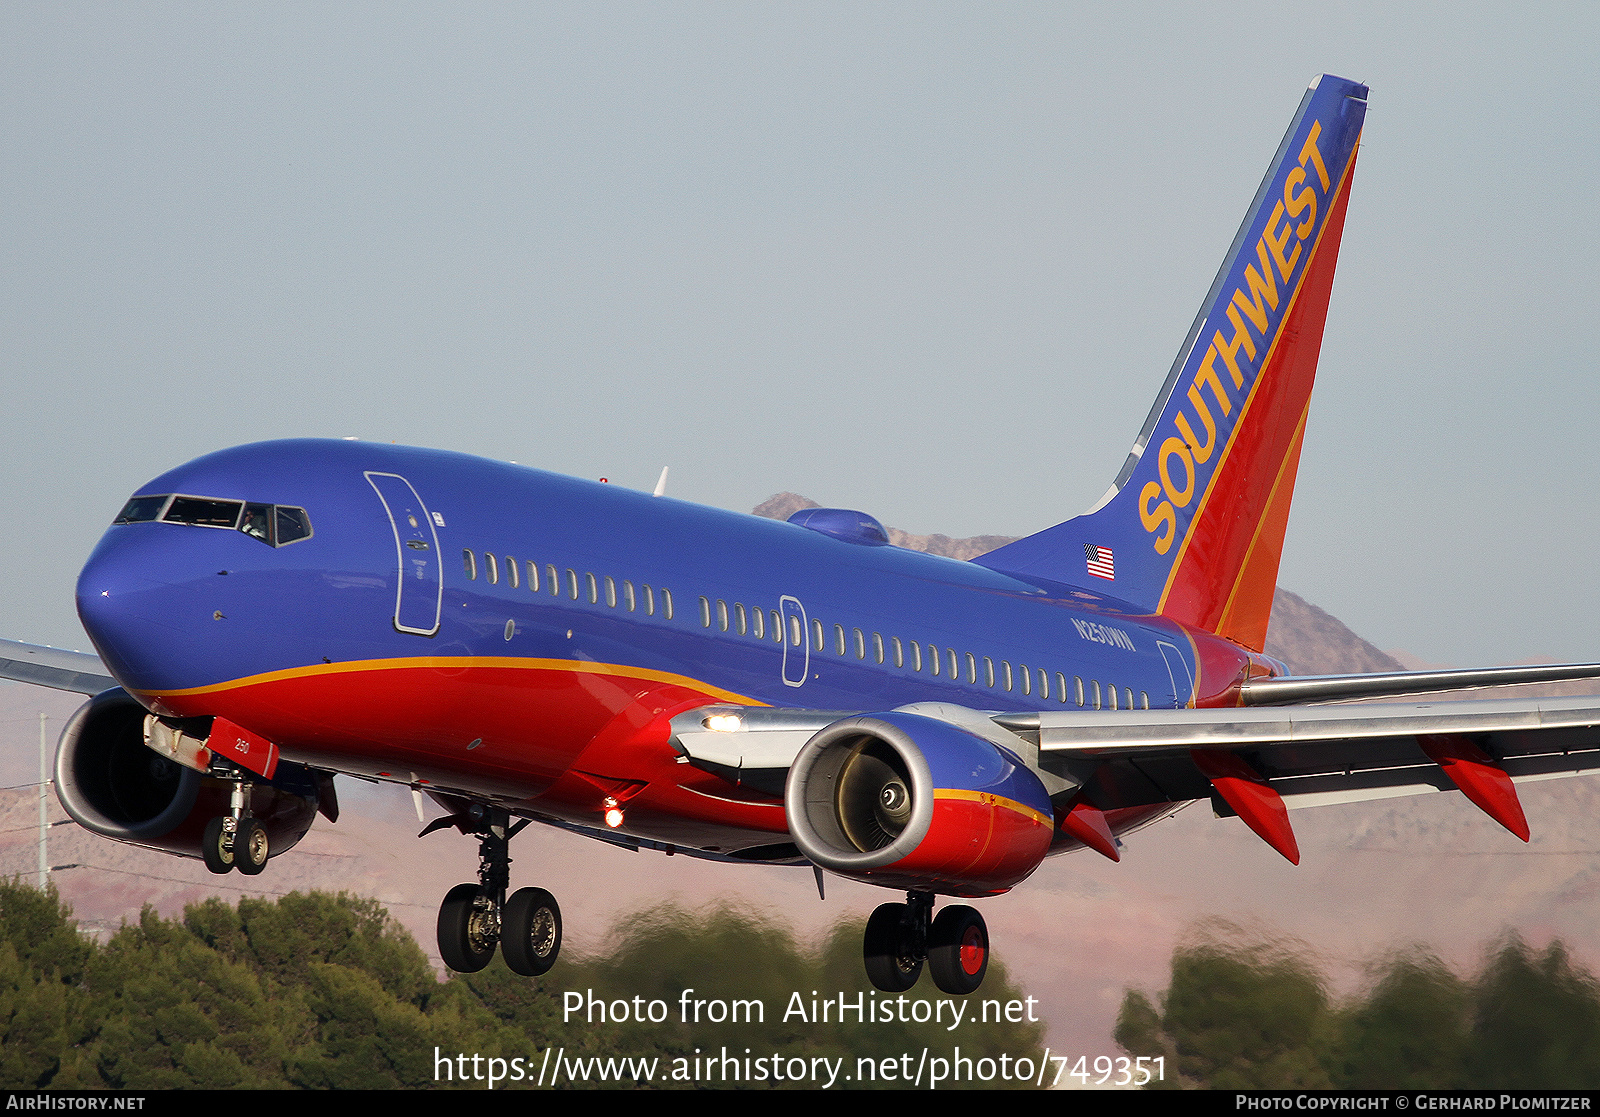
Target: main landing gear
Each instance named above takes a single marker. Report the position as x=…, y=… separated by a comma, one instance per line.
x=901, y=937
x=475, y=918
x=235, y=840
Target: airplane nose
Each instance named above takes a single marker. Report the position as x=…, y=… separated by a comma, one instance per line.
x=124, y=605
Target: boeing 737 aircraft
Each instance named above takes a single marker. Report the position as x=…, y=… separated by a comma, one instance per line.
x=526, y=647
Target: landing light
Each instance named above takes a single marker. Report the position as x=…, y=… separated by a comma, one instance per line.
x=724, y=723
x=613, y=814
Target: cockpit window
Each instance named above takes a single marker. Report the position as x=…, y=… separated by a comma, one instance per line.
x=293, y=525
x=204, y=512
x=274, y=524
x=141, y=509
x=257, y=522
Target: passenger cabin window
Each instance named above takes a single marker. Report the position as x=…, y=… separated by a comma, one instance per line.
x=593, y=588
x=838, y=639
x=740, y=624
x=572, y=583
x=758, y=627
x=533, y=577
x=493, y=569
x=666, y=603
x=551, y=577
x=795, y=636
x=988, y=671
x=877, y=647
x=899, y=652
x=818, y=636
x=861, y=644
x=611, y=592
x=1005, y=673
x=1077, y=689
x=513, y=572
x=916, y=656
x=722, y=615
x=777, y=627
x=972, y=669
x=705, y=613
x=1027, y=678
x=469, y=563
x=933, y=659
x=628, y=600
x=649, y=602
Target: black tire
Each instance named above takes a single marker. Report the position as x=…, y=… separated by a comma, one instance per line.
x=250, y=849
x=530, y=932
x=467, y=930
x=891, y=965
x=958, y=950
x=217, y=847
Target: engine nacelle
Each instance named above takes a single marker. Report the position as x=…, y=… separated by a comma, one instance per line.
x=907, y=801
x=111, y=783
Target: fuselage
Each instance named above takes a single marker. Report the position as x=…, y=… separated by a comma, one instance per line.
x=510, y=634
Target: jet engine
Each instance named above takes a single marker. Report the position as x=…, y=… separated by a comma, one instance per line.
x=111, y=783
x=908, y=801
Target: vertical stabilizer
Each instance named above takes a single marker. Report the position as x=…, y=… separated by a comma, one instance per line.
x=1193, y=526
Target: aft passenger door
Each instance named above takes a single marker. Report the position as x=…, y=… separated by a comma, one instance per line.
x=1178, y=672
x=420, y=593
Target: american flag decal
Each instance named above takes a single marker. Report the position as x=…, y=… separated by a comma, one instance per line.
x=1100, y=562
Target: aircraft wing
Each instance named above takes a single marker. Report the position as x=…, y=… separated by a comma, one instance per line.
x=1313, y=755
x=56, y=668
x=1250, y=762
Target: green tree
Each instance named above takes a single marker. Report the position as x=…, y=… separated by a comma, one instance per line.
x=1536, y=1021
x=1239, y=1014
x=1410, y=1031
x=725, y=955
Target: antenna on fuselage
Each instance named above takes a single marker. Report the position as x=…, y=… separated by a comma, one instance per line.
x=661, y=482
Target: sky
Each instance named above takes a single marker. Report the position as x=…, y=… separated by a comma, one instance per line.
x=927, y=260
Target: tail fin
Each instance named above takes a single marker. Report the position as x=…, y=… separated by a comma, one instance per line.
x=1194, y=530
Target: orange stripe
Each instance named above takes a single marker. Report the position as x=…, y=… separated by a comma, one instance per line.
x=989, y=799
x=571, y=666
x=1252, y=630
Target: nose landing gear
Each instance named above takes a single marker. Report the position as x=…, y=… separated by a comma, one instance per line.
x=901, y=937
x=475, y=918
x=236, y=840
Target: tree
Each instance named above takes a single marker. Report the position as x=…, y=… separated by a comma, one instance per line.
x=1241, y=1013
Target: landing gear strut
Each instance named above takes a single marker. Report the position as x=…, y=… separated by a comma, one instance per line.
x=236, y=840
x=475, y=918
x=901, y=937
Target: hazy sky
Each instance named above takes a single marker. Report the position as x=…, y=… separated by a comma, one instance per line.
x=931, y=261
